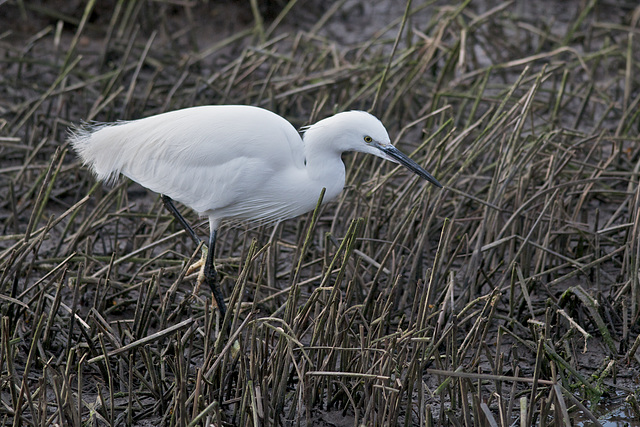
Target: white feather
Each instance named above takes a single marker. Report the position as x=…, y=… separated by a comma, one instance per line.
x=231, y=162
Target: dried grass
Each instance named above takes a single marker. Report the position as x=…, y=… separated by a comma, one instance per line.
x=510, y=297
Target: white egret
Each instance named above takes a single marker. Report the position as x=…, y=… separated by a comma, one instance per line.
x=234, y=162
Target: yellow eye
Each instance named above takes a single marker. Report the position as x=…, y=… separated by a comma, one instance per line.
x=368, y=139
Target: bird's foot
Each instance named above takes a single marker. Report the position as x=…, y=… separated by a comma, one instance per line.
x=199, y=267
x=209, y=277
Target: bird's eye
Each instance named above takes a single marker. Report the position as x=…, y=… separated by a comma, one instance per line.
x=368, y=139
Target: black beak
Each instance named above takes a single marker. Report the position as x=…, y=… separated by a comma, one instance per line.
x=401, y=158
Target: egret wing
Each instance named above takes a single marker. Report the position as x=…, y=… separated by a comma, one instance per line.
x=207, y=158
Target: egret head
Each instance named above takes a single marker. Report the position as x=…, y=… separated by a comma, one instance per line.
x=363, y=132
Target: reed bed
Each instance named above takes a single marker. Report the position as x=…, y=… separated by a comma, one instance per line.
x=510, y=297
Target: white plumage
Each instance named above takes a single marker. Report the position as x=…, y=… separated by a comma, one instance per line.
x=235, y=162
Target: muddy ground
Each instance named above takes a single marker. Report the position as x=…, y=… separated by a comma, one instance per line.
x=509, y=297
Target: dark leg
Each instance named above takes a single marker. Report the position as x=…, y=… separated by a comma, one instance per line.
x=210, y=275
x=168, y=203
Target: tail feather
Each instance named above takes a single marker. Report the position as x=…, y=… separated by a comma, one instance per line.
x=99, y=152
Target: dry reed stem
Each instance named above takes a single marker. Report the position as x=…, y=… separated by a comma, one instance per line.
x=510, y=296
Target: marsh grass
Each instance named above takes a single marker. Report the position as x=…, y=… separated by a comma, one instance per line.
x=509, y=297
